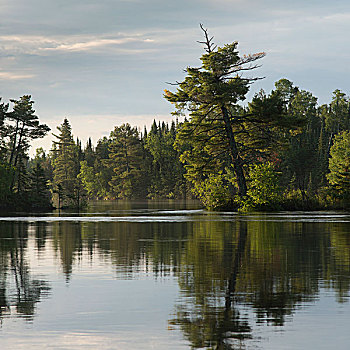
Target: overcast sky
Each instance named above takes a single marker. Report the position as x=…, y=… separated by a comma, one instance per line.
x=103, y=63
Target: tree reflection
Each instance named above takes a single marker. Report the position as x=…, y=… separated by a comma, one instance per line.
x=233, y=275
x=67, y=240
x=19, y=291
x=236, y=275
x=212, y=319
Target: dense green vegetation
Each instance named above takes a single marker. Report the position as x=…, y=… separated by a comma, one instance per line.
x=278, y=151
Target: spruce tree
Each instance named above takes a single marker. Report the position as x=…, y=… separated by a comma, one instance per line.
x=126, y=161
x=66, y=167
x=39, y=193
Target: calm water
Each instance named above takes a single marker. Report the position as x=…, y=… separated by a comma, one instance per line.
x=172, y=276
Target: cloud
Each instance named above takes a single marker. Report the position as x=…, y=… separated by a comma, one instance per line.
x=94, y=44
x=14, y=76
x=336, y=18
x=43, y=45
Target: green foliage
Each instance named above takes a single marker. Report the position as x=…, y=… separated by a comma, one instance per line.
x=337, y=118
x=302, y=157
x=93, y=182
x=220, y=133
x=25, y=128
x=6, y=175
x=210, y=93
x=126, y=160
x=164, y=168
x=264, y=191
x=213, y=191
x=39, y=193
x=66, y=167
x=224, y=154
x=339, y=166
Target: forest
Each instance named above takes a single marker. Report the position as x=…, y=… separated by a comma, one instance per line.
x=279, y=151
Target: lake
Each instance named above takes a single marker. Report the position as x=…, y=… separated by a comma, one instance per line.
x=170, y=275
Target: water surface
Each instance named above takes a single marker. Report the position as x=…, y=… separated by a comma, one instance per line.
x=170, y=275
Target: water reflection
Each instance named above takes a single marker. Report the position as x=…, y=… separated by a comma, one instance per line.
x=20, y=291
x=272, y=268
x=234, y=273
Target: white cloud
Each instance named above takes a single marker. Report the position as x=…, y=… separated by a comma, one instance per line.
x=93, y=44
x=29, y=44
x=337, y=18
x=14, y=76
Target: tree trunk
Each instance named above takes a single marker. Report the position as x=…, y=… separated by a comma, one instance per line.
x=19, y=145
x=236, y=159
x=14, y=146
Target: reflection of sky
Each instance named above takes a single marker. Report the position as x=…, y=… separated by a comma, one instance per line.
x=109, y=315
x=101, y=63
x=102, y=307
x=323, y=325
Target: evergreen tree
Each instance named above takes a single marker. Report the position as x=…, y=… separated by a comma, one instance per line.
x=21, y=186
x=221, y=135
x=339, y=166
x=89, y=154
x=209, y=92
x=165, y=163
x=102, y=167
x=39, y=193
x=25, y=129
x=66, y=167
x=338, y=117
x=301, y=154
x=126, y=160
x=6, y=175
x=93, y=182
x=3, y=130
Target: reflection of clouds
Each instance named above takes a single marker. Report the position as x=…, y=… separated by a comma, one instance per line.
x=123, y=340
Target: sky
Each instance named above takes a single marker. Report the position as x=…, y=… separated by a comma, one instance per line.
x=104, y=63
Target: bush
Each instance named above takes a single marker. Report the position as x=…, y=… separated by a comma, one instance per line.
x=264, y=192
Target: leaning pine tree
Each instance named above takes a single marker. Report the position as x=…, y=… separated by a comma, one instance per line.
x=222, y=136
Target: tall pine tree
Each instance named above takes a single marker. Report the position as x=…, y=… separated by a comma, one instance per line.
x=66, y=167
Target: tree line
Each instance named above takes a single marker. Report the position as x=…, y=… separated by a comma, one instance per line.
x=278, y=151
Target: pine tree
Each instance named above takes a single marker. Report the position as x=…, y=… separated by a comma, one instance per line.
x=220, y=134
x=66, y=167
x=126, y=161
x=301, y=155
x=26, y=127
x=339, y=166
x=166, y=169
x=39, y=193
x=89, y=154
